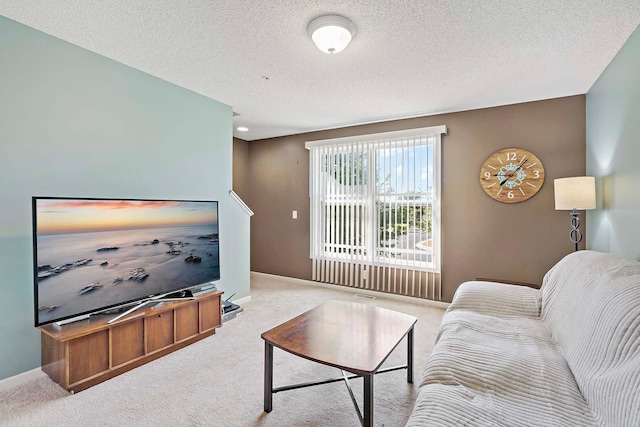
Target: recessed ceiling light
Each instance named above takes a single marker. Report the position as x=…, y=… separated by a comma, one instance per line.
x=242, y=129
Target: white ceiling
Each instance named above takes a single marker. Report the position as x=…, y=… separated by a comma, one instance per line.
x=409, y=57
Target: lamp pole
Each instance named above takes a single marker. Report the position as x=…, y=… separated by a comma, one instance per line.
x=575, y=234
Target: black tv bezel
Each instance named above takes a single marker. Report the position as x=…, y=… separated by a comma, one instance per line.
x=34, y=233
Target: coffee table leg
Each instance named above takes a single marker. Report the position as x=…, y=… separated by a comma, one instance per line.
x=268, y=377
x=368, y=400
x=410, y=356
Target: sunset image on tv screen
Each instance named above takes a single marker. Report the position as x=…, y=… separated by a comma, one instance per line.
x=91, y=254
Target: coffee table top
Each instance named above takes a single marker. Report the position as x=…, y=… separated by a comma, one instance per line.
x=347, y=335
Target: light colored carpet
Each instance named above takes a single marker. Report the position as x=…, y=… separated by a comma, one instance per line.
x=219, y=380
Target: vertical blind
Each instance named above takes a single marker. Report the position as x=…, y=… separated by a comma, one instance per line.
x=375, y=211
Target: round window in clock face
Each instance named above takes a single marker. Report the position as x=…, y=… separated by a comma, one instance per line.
x=512, y=175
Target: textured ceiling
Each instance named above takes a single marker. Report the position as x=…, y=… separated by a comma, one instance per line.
x=408, y=58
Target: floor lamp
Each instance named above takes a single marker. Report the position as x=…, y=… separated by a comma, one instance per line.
x=575, y=193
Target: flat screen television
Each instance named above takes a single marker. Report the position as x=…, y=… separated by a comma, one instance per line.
x=91, y=255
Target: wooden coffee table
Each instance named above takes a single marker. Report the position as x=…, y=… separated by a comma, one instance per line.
x=353, y=337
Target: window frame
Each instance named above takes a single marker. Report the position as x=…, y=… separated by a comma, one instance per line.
x=370, y=199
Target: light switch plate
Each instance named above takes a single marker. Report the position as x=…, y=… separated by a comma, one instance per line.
x=294, y=214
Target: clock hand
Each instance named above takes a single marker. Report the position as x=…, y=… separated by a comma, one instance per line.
x=513, y=173
x=521, y=165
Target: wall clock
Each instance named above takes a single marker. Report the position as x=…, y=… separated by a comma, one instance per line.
x=512, y=175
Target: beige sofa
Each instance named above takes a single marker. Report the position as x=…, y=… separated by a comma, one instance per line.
x=565, y=355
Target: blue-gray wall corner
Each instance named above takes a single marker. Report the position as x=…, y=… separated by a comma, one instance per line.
x=613, y=150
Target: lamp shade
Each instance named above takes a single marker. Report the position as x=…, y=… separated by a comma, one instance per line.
x=577, y=192
x=331, y=33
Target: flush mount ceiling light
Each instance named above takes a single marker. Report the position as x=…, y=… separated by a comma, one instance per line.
x=242, y=129
x=331, y=33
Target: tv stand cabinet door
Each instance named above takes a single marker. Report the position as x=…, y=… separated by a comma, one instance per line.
x=159, y=331
x=127, y=342
x=186, y=321
x=88, y=356
x=210, y=310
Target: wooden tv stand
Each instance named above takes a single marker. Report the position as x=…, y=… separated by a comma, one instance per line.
x=82, y=354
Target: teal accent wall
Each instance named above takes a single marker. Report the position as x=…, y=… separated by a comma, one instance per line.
x=76, y=124
x=613, y=153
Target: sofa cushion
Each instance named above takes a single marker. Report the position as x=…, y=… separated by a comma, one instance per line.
x=497, y=299
x=497, y=371
x=591, y=304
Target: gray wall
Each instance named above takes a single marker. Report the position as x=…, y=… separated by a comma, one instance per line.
x=613, y=154
x=73, y=123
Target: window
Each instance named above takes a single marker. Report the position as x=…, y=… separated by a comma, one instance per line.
x=375, y=199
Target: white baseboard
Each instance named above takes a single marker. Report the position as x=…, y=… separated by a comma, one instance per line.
x=427, y=302
x=22, y=378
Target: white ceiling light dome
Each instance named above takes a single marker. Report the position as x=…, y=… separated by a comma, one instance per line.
x=331, y=33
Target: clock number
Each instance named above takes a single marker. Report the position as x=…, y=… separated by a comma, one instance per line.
x=511, y=157
x=487, y=175
x=536, y=174
x=510, y=195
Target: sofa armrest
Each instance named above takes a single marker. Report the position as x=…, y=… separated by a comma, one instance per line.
x=497, y=299
x=510, y=282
